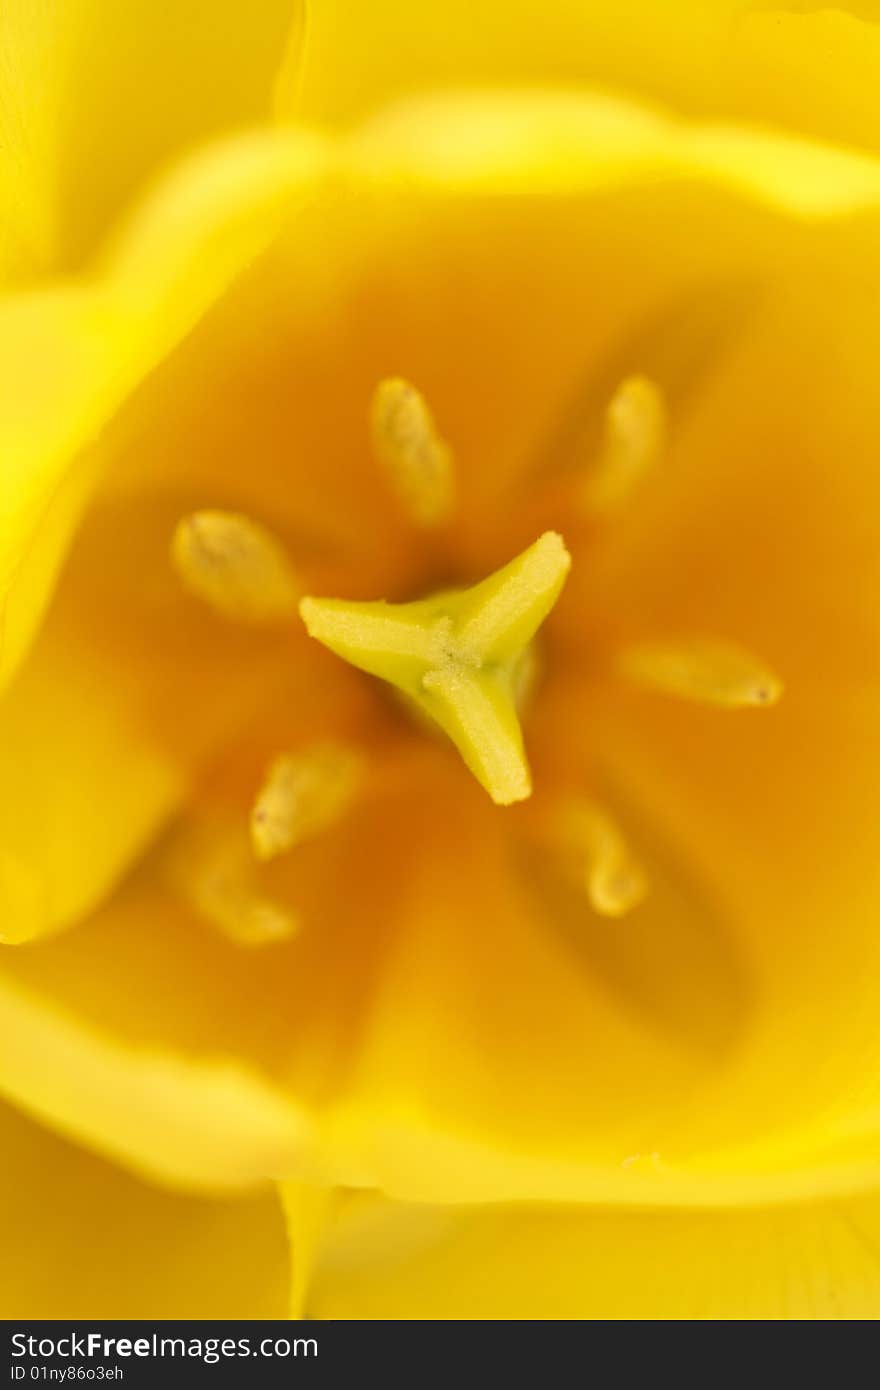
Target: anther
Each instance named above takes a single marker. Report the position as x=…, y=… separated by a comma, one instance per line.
x=418, y=463
x=211, y=866
x=633, y=443
x=707, y=671
x=236, y=566
x=303, y=794
x=597, y=852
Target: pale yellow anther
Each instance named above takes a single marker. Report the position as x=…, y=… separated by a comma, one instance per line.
x=418, y=463
x=303, y=794
x=597, y=852
x=633, y=444
x=707, y=671
x=210, y=865
x=236, y=566
x=458, y=655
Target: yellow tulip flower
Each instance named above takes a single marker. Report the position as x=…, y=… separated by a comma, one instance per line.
x=439, y=558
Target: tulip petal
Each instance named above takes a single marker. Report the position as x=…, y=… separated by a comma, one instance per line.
x=517, y=1045
x=462, y=263
x=129, y=695
x=809, y=68
x=437, y=1027
x=69, y=356
x=184, y=1075
x=96, y=98
x=207, y=1123
x=814, y=71
x=306, y=1210
x=80, y=791
x=789, y=1263
x=83, y=1240
x=777, y=544
x=552, y=141
x=356, y=59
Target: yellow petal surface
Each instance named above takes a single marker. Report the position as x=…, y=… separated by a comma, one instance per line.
x=801, y=1263
x=84, y=1240
x=555, y=139
x=808, y=67
x=80, y=789
x=72, y=356
x=475, y=276
x=307, y=1209
x=812, y=68
x=203, y=1123
x=384, y=1022
x=81, y=118
x=355, y=59
x=779, y=815
x=132, y=690
x=183, y=1081
x=69, y=356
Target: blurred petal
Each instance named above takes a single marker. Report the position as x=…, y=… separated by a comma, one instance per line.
x=69, y=356
x=306, y=1209
x=358, y=57
x=79, y=789
x=806, y=67
x=450, y=1036
x=82, y=1239
x=538, y=142
x=96, y=98
x=813, y=69
x=799, y=1263
x=207, y=1123
x=130, y=694
x=482, y=222
x=770, y=506
x=154, y=1039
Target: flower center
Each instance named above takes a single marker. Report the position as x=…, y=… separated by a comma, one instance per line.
x=461, y=659
x=457, y=656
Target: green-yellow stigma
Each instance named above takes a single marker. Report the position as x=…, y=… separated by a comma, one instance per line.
x=458, y=655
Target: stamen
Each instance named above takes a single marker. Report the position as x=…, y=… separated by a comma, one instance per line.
x=417, y=461
x=458, y=655
x=600, y=856
x=211, y=866
x=708, y=671
x=633, y=444
x=236, y=566
x=302, y=795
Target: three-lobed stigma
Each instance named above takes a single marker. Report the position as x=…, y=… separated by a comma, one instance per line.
x=458, y=655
